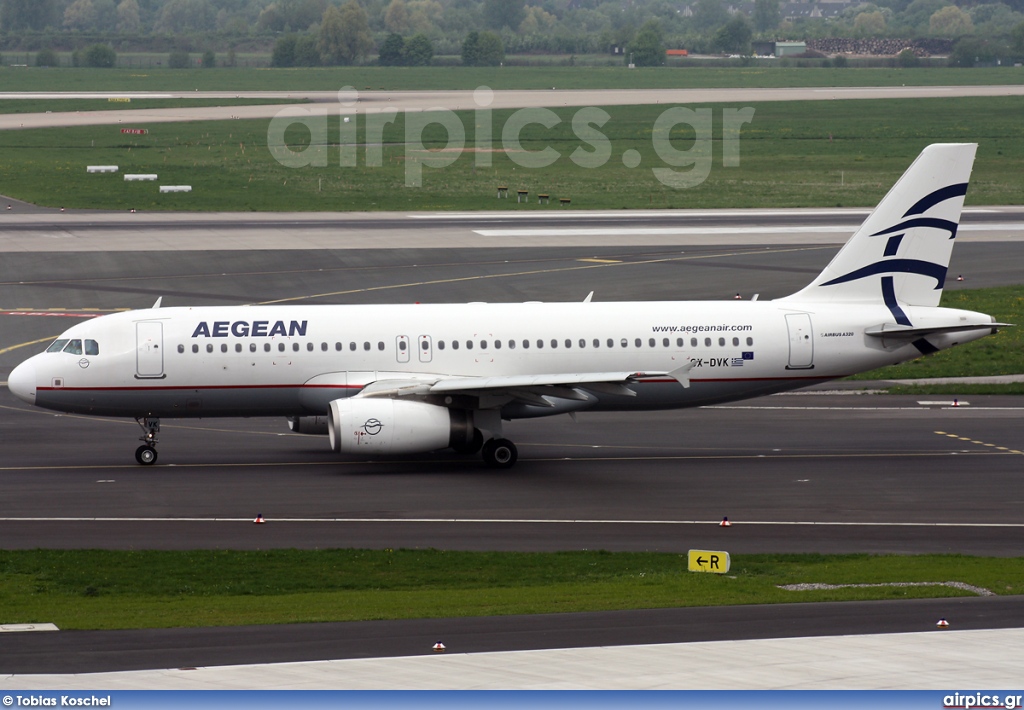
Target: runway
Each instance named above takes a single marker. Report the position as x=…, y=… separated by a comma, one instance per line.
x=825, y=472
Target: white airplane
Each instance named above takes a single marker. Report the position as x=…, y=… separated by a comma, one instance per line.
x=398, y=379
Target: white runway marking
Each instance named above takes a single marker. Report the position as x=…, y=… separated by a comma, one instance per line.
x=524, y=521
x=689, y=231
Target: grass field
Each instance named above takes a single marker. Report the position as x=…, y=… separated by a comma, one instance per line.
x=94, y=589
x=792, y=154
x=422, y=78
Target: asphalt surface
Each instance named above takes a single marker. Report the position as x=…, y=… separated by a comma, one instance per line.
x=794, y=473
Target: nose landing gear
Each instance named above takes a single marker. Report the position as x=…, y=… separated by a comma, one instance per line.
x=146, y=454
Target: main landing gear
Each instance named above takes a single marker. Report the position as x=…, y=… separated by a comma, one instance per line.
x=146, y=454
x=500, y=453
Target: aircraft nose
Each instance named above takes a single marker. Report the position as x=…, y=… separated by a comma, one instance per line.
x=22, y=382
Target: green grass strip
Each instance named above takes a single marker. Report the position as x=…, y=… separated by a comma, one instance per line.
x=96, y=589
x=457, y=77
x=74, y=105
x=999, y=354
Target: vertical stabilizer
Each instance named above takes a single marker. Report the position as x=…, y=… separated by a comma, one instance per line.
x=900, y=254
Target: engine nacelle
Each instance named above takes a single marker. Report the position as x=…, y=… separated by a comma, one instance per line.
x=317, y=426
x=382, y=426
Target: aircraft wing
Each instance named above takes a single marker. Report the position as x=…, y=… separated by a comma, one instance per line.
x=527, y=388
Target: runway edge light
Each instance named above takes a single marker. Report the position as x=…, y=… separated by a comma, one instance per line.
x=714, y=561
x=439, y=647
x=259, y=519
x=942, y=624
x=725, y=523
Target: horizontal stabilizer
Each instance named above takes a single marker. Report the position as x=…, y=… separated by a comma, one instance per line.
x=895, y=330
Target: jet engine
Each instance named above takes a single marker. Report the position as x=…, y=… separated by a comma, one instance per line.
x=382, y=426
x=316, y=426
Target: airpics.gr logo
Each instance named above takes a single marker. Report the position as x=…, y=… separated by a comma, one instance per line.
x=674, y=127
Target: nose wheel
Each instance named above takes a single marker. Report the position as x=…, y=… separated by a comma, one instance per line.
x=146, y=454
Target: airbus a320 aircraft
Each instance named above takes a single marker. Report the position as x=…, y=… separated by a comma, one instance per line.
x=399, y=379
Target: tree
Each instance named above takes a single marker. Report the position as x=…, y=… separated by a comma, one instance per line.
x=950, y=21
x=344, y=34
x=29, y=14
x=391, y=52
x=100, y=55
x=178, y=60
x=128, y=21
x=307, y=52
x=648, y=46
x=499, y=14
x=209, y=59
x=419, y=50
x=708, y=14
x=396, y=17
x=908, y=59
x=869, y=24
x=185, y=16
x=1017, y=38
x=767, y=15
x=734, y=36
x=80, y=15
x=483, y=49
x=47, y=58
x=284, y=52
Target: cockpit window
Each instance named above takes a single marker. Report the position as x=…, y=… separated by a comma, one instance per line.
x=57, y=345
x=92, y=347
x=74, y=347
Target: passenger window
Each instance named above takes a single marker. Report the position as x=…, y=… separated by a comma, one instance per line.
x=366, y=345
x=401, y=345
x=337, y=346
x=469, y=345
x=252, y=347
x=295, y=347
x=735, y=341
x=568, y=343
x=611, y=343
x=223, y=347
x=280, y=347
x=707, y=342
x=380, y=345
x=750, y=341
x=425, y=346
x=238, y=347
x=74, y=347
x=93, y=348
x=679, y=342
x=652, y=342
x=483, y=344
x=540, y=343
x=638, y=342
x=583, y=343
x=266, y=347
x=440, y=345
x=511, y=345
x=181, y=348
x=323, y=347
x=721, y=342
x=597, y=343
x=195, y=348
x=309, y=347
x=625, y=343
x=526, y=344
x=497, y=344
x=57, y=345
x=664, y=342
x=693, y=342
x=455, y=345
x=209, y=347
